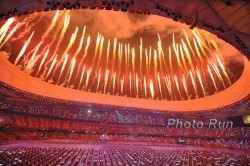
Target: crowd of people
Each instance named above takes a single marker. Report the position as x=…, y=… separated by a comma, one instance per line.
x=90, y=115
x=57, y=121
x=31, y=122
x=30, y=127
x=235, y=144
x=94, y=112
x=116, y=156
x=86, y=114
x=147, y=140
x=120, y=140
x=6, y=138
x=221, y=143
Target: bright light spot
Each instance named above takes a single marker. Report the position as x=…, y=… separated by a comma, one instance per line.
x=246, y=119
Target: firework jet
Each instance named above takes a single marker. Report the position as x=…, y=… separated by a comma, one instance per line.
x=23, y=49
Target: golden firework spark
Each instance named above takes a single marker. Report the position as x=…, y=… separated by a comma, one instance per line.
x=152, y=91
x=23, y=49
x=9, y=35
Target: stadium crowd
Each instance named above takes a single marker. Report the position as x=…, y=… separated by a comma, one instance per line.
x=80, y=111
x=102, y=115
x=56, y=121
x=37, y=122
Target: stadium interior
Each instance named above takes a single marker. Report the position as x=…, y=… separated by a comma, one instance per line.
x=125, y=82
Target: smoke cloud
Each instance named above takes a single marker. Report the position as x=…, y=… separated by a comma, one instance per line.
x=122, y=25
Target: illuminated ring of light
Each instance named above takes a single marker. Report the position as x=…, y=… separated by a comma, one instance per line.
x=13, y=76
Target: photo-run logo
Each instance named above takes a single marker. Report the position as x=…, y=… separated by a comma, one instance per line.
x=212, y=123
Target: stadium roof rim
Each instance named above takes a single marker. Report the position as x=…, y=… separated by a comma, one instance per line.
x=228, y=19
x=13, y=76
